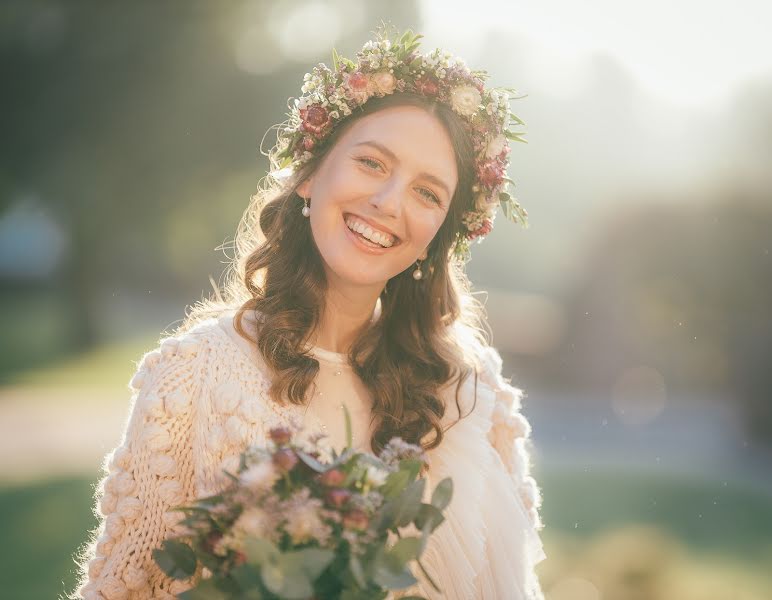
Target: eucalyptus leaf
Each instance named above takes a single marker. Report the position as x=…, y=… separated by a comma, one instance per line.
x=390, y=575
x=406, y=549
x=355, y=566
x=176, y=559
x=395, y=483
x=260, y=551
x=443, y=493
x=247, y=576
x=412, y=465
x=312, y=561
x=428, y=517
x=272, y=576
x=402, y=510
x=205, y=590
x=296, y=587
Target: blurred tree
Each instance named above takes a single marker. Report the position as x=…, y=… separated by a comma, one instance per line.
x=685, y=288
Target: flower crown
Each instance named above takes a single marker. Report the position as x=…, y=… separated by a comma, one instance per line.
x=387, y=65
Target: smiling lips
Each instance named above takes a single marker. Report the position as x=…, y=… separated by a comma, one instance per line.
x=379, y=237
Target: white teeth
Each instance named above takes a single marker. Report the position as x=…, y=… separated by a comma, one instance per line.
x=369, y=233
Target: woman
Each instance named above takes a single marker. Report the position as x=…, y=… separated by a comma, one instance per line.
x=348, y=288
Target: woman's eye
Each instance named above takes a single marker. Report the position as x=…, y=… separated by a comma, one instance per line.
x=369, y=161
x=431, y=195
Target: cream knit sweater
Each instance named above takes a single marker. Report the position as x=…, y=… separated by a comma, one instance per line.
x=200, y=397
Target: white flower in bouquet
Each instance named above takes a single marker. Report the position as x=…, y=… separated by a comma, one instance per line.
x=304, y=521
x=254, y=521
x=260, y=477
x=375, y=476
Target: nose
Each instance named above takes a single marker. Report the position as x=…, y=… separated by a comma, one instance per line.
x=388, y=200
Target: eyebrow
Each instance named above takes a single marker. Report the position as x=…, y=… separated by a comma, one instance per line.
x=392, y=156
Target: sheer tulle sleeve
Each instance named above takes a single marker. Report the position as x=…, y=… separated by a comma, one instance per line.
x=150, y=471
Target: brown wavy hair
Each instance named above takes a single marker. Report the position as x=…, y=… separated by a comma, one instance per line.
x=407, y=355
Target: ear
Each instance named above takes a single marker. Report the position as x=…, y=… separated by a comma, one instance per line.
x=304, y=189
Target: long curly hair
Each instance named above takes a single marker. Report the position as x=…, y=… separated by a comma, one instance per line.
x=408, y=355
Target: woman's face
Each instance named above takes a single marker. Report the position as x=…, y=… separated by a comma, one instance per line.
x=394, y=171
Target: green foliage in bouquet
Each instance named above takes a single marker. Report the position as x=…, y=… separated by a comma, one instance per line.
x=293, y=525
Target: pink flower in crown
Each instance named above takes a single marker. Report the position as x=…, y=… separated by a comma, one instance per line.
x=358, y=86
x=484, y=229
x=315, y=119
x=490, y=173
x=427, y=85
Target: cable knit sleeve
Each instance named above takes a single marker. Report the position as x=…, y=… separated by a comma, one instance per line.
x=150, y=471
x=510, y=433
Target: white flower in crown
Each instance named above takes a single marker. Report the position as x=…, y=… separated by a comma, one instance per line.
x=384, y=82
x=495, y=146
x=465, y=99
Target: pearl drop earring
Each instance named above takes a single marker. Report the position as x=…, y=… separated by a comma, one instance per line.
x=306, y=209
x=418, y=274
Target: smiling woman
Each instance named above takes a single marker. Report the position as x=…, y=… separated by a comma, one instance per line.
x=379, y=173
x=348, y=287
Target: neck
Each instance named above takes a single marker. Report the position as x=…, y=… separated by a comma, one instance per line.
x=348, y=311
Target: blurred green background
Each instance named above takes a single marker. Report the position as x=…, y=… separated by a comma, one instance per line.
x=636, y=311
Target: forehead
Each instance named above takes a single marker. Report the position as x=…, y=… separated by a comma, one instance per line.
x=418, y=139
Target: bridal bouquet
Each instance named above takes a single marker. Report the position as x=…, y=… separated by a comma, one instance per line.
x=292, y=524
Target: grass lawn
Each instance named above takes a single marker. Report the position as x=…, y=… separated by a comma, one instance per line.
x=107, y=365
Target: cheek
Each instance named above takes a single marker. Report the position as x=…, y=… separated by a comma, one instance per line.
x=341, y=181
x=424, y=226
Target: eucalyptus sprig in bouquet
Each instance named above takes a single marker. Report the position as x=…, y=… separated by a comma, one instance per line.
x=293, y=525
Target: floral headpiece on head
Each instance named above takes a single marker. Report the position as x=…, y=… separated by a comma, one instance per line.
x=387, y=65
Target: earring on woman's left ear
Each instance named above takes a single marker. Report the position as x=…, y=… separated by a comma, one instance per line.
x=418, y=274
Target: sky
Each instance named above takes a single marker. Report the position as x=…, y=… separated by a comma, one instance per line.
x=688, y=52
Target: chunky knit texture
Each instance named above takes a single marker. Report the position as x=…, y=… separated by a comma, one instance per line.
x=198, y=399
